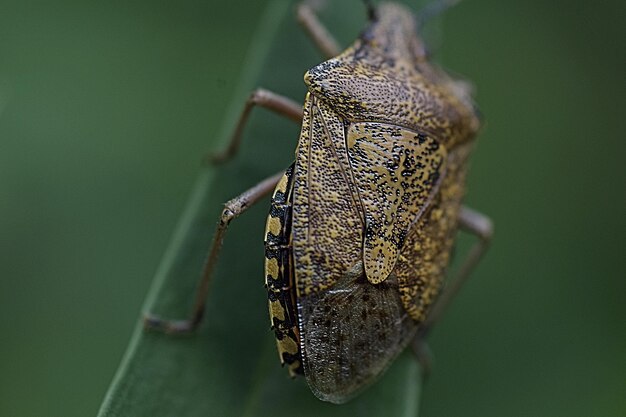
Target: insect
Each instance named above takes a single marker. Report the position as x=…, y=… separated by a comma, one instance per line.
x=362, y=224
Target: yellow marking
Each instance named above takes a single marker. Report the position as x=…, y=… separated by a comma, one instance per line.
x=282, y=185
x=277, y=310
x=271, y=267
x=274, y=225
x=287, y=344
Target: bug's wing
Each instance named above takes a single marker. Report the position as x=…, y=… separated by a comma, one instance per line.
x=397, y=173
x=327, y=228
x=351, y=333
x=350, y=329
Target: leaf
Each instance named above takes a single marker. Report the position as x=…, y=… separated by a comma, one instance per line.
x=230, y=367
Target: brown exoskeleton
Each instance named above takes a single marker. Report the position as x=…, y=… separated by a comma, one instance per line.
x=362, y=225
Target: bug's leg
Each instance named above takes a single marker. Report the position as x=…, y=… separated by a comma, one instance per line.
x=259, y=97
x=307, y=17
x=232, y=209
x=482, y=227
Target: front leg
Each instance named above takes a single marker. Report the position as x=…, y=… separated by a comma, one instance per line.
x=263, y=98
x=321, y=37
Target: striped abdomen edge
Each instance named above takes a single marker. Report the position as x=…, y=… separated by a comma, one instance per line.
x=279, y=275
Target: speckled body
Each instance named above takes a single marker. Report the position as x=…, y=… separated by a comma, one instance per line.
x=362, y=225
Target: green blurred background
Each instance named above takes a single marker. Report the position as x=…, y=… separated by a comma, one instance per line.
x=107, y=107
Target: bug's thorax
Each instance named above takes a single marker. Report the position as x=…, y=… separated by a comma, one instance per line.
x=386, y=76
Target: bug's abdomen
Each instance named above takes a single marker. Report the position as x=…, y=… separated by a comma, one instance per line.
x=279, y=275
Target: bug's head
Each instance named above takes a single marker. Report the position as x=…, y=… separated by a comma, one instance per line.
x=394, y=29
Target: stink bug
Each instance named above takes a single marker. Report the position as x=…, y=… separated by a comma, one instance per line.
x=362, y=225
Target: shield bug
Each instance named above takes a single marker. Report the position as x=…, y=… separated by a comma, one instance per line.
x=362, y=225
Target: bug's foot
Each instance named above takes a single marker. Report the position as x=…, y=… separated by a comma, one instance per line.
x=176, y=327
